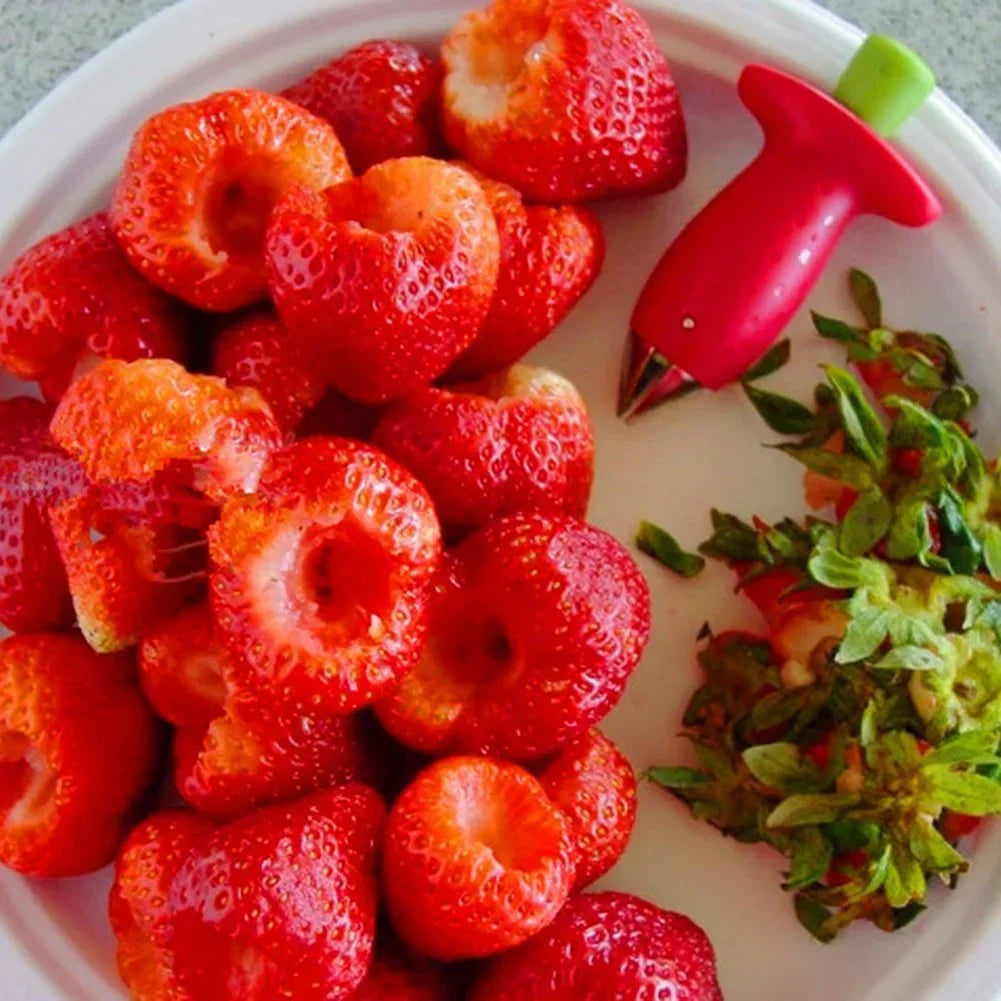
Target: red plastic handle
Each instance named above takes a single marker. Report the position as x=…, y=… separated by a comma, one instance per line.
x=733, y=279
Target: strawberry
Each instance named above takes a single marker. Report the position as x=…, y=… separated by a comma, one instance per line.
x=519, y=440
x=199, y=182
x=565, y=100
x=322, y=579
x=131, y=421
x=144, y=871
x=549, y=257
x=397, y=976
x=280, y=903
x=536, y=624
x=73, y=297
x=959, y=825
x=257, y=351
x=594, y=785
x=476, y=859
x=233, y=750
x=133, y=553
x=386, y=278
x=381, y=98
x=35, y=475
x=607, y=947
x=77, y=751
x=336, y=416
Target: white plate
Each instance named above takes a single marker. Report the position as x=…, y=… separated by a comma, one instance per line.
x=57, y=165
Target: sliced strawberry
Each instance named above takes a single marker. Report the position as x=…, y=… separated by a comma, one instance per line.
x=520, y=440
x=594, y=785
x=35, y=475
x=257, y=351
x=131, y=421
x=607, y=947
x=77, y=751
x=73, y=297
x=144, y=871
x=322, y=579
x=536, y=625
x=476, y=859
x=549, y=257
x=233, y=750
x=200, y=180
x=382, y=99
x=386, y=279
x=280, y=903
x=563, y=99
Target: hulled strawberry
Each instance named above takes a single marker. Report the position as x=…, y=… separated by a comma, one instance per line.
x=73, y=298
x=257, y=351
x=133, y=553
x=385, y=279
x=200, y=180
x=476, y=859
x=322, y=578
x=594, y=785
x=280, y=903
x=518, y=440
x=77, y=751
x=549, y=257
x=563, y=99
x=130, y=421
x=381, y=97
x=35, y=475
x=145, y=868
x=234, y=750
x=607, y=947
x=536, y=625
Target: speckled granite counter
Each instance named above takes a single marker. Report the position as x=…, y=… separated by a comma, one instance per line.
x=43, y=40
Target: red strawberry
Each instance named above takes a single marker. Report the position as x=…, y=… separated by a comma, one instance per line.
x=133, y=553
x=73, y=297
x=519, y=440
x=198, y=186
x=564, y=99
x=608, y=947
x=35, y=475
x=396, y=976
x=281, y=903
x=77, y=751
x=386, y=278
x=476, y=859
x=594, y=785
x=234, y=750
x=536, y=624
x=130, y=421
x=322, y=578
x=381, y=98
x=549, y=257
x=144, y=871
x=257, y=351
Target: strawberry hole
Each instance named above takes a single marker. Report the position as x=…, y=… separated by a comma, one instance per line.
x=478, y=652
x=345, y=574
x=27, y=783
x=238, y=208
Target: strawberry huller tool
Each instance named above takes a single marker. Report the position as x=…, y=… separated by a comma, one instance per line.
x=737, y=273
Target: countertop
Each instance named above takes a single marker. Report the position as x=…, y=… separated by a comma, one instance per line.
x=43, y=40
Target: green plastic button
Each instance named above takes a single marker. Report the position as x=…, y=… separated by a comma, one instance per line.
x=885, y=83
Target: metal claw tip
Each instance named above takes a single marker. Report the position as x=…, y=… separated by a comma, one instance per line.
x=648, y=379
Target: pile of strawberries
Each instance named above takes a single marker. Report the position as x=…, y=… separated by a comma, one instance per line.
x=292, y=503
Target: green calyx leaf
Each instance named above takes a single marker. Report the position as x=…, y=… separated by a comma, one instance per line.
x=810, y=858
x=838, y=330
x=863, y=427
x=990, y=538
x=960, y=545
x=866, y=522
x=865, y=634
x=781, y=766
x=832, y=568
x=866, y=295
x=815, y=918
x=963, y=792
x=780, y=413
x=905, y=881
x=910, y=658
x=732, y=539
x=976, y=747
x=777, y=357
x=802, y=809
x=847, y=469
x=655, y=542
x=676, y=778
